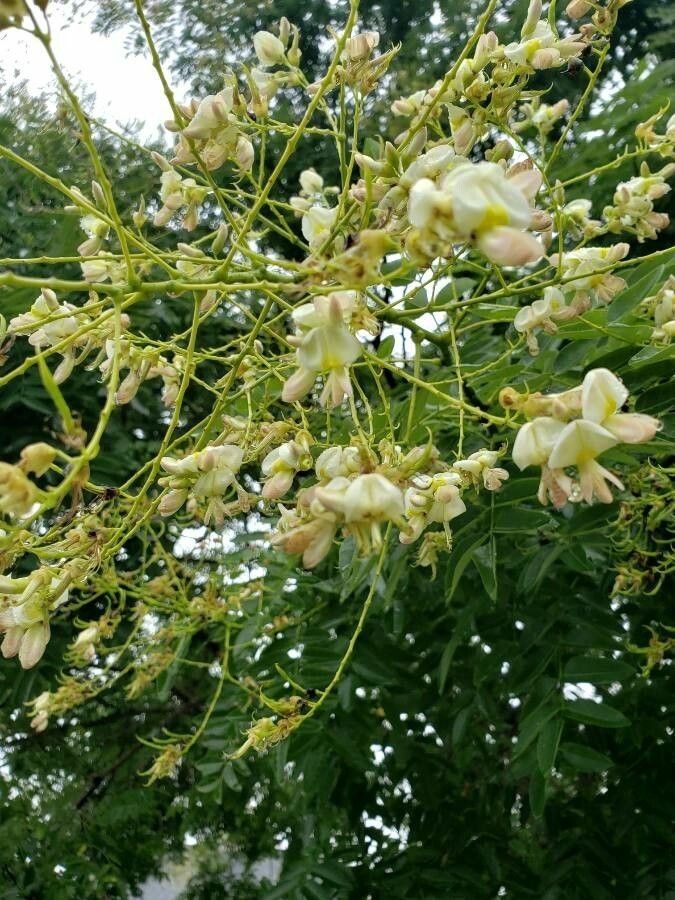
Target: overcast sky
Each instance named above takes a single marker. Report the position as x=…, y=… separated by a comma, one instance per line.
x=126, y=87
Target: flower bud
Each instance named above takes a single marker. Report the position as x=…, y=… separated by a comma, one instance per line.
x=37, y=458
x=269, y=49
x=577, y=8
x=533, y=16
x=244, y=153
x=311, y=182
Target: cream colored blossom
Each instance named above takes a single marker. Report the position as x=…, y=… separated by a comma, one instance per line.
x=478, y=203
x=268, y=48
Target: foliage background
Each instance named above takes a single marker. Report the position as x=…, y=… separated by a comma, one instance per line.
x=411, y=783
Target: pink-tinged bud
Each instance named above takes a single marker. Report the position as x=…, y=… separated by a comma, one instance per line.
x=545, y=59
x=244, y=154
x=33, y=645
x=510, y=247
x=632, y=428
x=128, y=389
x=172, y=502
x=360, y=46
x=64, y=369
x=298, y=385
x=577, y=8
x=11, y=643
x=528, y=181
x=277, y=486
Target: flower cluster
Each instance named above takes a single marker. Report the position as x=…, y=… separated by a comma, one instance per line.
x=570, y=430
x=541, y=116
x=478, y=203
x=204, y=477
x=586, y=278
x=632, y=209
x=358, y=493
x=213, y=133
x=25, y=604
x=325, y=346
x=178, y=193
x=662, y=307
x=493, y=77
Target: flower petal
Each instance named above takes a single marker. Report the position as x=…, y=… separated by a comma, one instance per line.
x=579, y=442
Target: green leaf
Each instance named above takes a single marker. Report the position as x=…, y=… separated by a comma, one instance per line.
x=584, y=759
x=485, y=560
x=454, y=290
x=591, y=713
x=459, y=725
x=521, y=520
x=418, y=300
x=532, y=724
x=657, y=399
x=385, y=348
x=535, y=571
x=547, y=745
x=634, y=294
x=596, y=670
x=460, y=559
x=537, y=794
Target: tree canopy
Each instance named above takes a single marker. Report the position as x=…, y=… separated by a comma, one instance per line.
x=306, y=554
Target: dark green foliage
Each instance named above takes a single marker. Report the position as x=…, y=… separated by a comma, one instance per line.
x=456, y=759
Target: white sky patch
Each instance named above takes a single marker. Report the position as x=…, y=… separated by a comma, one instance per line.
x=126, y=87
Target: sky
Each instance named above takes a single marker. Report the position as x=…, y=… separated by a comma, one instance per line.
x=126, y=87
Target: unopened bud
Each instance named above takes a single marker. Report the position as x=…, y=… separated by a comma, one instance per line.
x=269, y=49
x=99, y=196
x=295, y=53
x=577, y=8
x=220, y=238
x=284, y=30
x=533, y=16
x=161, y=161
x=37, y=458
x=503, y=149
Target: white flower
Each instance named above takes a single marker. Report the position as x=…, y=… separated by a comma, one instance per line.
x=337, y=462
x=578, y=445
x=317, y=224
x=434, y=498
x=429, y=165
x=535, y=441
x=96, y=229
x=329, y=349
x=541, y=314
x=540, y=48
x=368, y=498
x=268, y=48
x=478, y=203
x=580, y=269
x=47, y=322
x=211, y=115
x=603, y=395
x=481, y=465
x=311, y=182
x=281, y=464
x=208, y=473
x=318, y=312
